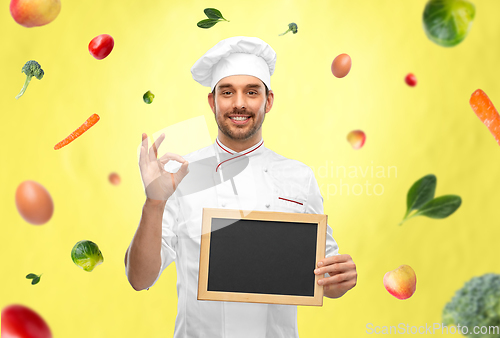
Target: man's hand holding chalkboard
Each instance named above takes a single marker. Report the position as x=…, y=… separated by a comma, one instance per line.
x=343, y=275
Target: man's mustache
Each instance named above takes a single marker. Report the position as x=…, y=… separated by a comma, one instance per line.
x=240, y=112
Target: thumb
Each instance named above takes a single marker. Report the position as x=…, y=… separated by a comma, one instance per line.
x=183, y=170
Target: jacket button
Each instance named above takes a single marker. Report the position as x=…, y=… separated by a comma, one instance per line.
x=268, y=205
x=265, y=170
x=223, y=204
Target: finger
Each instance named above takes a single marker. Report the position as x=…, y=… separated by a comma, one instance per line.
x=157, y=144
x=161, y=166
x=153, y=151
x=343, y=287
x=183, y=171
x=171, y=156
x=334, y=259
x=144, y=146
x=335, y=268
x=336, y=279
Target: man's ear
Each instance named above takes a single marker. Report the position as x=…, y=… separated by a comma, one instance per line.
x=270, y=100
x=211, y=102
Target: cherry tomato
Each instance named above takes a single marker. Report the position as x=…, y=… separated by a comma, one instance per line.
x=411, y=80
x=21, y=322
x=101, y=46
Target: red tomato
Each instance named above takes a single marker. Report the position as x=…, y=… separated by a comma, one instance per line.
x=411, y=80
x=101, y=46
x=19, y=321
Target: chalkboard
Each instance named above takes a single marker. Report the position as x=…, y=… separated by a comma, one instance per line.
x=261, y=256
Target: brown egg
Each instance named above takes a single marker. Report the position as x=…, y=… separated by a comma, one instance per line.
x=341, y=65
x=34, y=203
x=114, y=178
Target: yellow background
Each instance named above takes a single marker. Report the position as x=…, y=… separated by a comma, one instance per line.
x=426, y=129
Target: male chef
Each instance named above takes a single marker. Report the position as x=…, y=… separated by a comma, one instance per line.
x=238, y=71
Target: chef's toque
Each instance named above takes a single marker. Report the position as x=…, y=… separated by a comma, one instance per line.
x=239, y=55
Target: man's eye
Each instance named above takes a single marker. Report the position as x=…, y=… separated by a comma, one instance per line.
x=226, y=93
x=253, y=93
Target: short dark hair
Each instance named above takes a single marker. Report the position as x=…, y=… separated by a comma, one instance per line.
x=267, y=90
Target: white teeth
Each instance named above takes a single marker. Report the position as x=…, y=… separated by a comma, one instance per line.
x=239, y=118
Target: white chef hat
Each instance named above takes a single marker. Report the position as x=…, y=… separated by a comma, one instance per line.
x=239, y=55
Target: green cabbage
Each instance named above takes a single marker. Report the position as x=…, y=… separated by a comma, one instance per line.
x=86, y=255
x=447, y=22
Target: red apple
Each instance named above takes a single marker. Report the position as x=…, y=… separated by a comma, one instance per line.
x=32, y=13
x=401, y=282
x=356, y=138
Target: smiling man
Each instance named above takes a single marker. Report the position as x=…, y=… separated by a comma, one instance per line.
x=238, y=71
x=242, y=102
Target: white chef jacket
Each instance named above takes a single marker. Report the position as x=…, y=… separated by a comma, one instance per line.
x=270, y=182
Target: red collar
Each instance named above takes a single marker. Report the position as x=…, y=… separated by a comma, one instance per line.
x=247, y=151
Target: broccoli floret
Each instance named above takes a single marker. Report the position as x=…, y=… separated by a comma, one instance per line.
x=292, y=27
x=31, y=68
x=477, y=303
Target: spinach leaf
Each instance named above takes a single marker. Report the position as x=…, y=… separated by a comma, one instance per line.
x=36, y=278
x=213, y=13
x=214, y=16
x=207, y=23
x=420, y=193
x=440, y=207
x=421, y=198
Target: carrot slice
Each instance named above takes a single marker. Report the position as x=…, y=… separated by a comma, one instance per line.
x=485, y=110
x=79, y=131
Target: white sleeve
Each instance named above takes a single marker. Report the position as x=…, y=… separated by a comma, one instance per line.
x=169, y=234
x=314, y=205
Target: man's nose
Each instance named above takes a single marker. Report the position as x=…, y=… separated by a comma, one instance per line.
x=239, y=101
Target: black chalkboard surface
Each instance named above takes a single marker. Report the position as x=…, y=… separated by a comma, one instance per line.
x=261, y=256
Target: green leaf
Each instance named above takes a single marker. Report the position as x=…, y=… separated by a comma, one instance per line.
x=440, y=207
x=213, y=13
x=35, y=281
x=31, y=276
x=420, y=193
x=207, y=23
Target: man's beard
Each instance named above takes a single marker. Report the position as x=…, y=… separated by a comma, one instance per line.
x=226, y=130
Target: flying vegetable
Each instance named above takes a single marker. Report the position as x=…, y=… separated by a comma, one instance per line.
x=476, y=304
x=86, y=255
x=292, y=27
x=447, y=22
x=30, y=68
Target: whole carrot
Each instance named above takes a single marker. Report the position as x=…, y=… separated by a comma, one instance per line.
x=83, y=128
x=485, y=110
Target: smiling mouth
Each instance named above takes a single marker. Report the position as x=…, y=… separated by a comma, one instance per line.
x=240, y=118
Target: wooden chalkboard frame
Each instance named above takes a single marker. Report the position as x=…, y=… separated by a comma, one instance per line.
x=204, y=294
